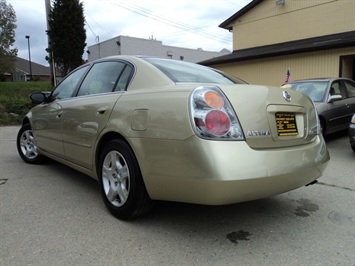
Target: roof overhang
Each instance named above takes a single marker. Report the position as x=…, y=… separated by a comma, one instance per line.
x=333, y=41
x=227, y=24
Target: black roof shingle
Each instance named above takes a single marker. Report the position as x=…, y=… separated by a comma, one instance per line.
x=23, y=65
x=333, y=41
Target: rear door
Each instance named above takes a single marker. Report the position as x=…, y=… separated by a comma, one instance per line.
x=86, y=115
x=350, y=101
x=339, y=112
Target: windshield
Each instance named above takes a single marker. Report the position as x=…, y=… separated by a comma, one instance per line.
x=179, y=71
x=316, y=90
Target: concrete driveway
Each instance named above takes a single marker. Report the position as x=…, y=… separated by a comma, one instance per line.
x=52, y=215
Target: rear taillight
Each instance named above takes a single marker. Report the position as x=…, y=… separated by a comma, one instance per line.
x=212, y=116
x=314, y=124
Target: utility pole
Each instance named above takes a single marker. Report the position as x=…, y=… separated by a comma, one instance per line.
x=50, y=55
x=29, y=55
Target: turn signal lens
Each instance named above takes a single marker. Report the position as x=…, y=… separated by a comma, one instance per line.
x=214, y=100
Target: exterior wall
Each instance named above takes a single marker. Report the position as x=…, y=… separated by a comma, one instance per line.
x=268, y=23
x=124, y=45
x=18, y=76
x=272, y=71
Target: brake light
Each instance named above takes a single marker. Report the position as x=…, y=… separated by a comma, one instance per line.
x=212, y=116
x=217, y=122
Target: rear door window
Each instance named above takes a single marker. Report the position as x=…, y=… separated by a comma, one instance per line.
x=102, y=78
x=350, y=88
x=124, y=79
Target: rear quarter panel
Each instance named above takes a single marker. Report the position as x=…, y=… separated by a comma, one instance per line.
x=159, y=114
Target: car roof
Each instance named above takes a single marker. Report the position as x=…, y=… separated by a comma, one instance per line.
x=319, y=79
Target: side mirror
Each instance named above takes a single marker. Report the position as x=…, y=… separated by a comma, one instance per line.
x=38, y=97
x=334, y=98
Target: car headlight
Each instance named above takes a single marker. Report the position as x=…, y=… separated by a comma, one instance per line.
x=212, y=116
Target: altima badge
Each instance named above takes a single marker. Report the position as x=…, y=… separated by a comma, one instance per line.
x=287, y=96
x=255, y=133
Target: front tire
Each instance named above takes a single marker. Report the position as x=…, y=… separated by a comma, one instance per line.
x=27, y=147
x=121, y=183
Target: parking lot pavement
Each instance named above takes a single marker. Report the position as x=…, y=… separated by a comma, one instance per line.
x=52, y=215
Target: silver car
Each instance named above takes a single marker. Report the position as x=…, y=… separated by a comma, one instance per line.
x=334, y=99
x=158, y=129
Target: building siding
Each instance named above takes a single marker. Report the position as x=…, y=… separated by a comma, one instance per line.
x=311, y=37
x=272, y=71
x=296, y=19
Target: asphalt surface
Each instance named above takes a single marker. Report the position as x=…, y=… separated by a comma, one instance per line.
x=52, y=215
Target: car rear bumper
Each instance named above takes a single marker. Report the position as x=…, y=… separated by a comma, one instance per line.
x=223, y=172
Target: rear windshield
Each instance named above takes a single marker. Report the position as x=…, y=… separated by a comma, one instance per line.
x=179, y=71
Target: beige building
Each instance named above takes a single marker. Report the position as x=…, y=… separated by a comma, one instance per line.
x=312, y=38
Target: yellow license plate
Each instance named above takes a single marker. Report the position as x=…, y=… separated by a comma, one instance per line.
x=286, y=124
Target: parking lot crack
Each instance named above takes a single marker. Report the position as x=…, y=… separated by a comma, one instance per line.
x=3, y=181
x=332, y=185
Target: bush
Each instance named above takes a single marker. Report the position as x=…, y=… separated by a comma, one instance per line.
x=14, y=100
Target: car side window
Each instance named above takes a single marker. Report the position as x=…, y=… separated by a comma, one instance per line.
x=337, y=88
x=66, y=88
x=350, y=87
x=101, y=78
x=124, y=79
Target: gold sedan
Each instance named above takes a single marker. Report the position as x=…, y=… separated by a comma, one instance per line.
x=157, y=129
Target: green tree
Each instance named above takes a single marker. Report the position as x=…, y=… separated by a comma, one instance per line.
x=7, y=38
x=67, y=34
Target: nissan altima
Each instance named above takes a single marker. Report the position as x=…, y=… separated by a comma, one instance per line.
x=153, y=129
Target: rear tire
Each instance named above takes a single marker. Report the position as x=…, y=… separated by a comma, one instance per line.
x=27, y=147
x=121, y=183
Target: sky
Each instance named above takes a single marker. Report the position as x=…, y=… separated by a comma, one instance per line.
x=181, y=23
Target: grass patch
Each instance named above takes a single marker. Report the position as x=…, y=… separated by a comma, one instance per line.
x=14, y=100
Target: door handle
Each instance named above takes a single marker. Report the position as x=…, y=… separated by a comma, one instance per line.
x=102, y=110
x=59, y=115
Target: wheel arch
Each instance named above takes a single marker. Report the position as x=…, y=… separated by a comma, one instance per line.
x=25, y=121
x=107, y=137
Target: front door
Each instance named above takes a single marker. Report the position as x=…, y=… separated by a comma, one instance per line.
x=47, y=118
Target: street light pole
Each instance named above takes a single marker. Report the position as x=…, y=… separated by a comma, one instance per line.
x=29, y=54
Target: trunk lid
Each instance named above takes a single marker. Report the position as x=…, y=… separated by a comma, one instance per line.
x=273, y=117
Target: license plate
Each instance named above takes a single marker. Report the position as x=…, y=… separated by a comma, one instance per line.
x=286, y=124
